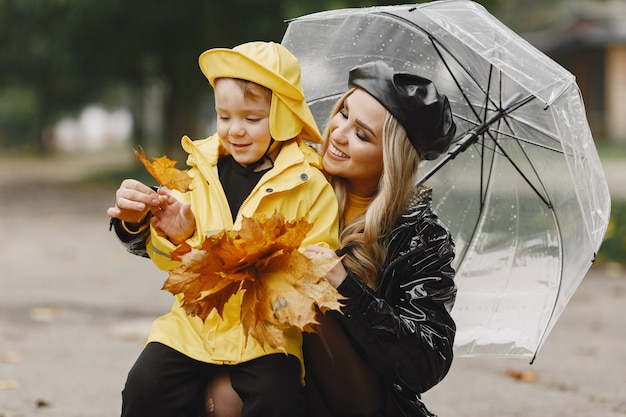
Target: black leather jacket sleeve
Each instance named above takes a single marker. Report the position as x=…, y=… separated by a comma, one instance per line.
x=133, y=243
x=404, y=329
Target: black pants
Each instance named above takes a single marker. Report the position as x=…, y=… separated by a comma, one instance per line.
x=165, y=383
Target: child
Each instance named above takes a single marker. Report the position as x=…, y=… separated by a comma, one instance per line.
x=256, y=163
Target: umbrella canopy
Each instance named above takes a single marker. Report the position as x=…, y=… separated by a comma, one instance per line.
x=522, y=189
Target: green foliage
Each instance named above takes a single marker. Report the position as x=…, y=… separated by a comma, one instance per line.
x=73, y=52
x=614, y=246
x=18, y=108
x=611, y=151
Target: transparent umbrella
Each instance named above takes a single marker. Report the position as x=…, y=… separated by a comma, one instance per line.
x=521, y=189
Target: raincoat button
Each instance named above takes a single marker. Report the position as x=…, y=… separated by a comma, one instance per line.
x=269, y=190
x=304, y=177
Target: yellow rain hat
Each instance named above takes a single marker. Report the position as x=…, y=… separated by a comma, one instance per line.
x=273, y=66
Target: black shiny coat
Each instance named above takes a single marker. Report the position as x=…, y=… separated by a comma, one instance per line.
x=404, y=329
x=133, y=243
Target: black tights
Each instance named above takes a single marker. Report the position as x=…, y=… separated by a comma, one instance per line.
x=338, y=381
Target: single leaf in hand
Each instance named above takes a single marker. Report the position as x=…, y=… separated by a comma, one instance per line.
x=164, y=171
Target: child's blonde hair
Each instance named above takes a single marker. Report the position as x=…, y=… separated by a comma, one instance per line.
x=252, y=89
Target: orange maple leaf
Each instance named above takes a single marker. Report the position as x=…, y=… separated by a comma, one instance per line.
x=283, y=287
x=164, y=171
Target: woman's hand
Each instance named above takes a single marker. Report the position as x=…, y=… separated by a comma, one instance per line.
x=133, y=201
x=173, y=219
x=337, y=273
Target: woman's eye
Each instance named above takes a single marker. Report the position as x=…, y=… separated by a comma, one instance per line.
x=344, y=113
x=362, y=136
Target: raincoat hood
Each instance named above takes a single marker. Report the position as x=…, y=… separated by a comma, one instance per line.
x=271, y=65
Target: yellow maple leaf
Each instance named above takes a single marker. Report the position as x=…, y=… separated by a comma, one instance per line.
x=164, y=171
x=283, y=287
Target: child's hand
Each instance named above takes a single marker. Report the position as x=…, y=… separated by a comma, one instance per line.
x=173, y=219
x=133, y=200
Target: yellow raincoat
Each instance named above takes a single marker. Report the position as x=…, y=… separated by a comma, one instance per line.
x=294, y=187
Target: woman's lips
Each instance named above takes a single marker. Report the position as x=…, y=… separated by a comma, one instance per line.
x=336, y=152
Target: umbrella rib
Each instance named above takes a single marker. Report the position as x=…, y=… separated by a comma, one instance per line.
x=451, y=73
x=488, y=100
x=514, y=136
x=315, y=100
x=517, y=137
x=483, y=188
x=527, y=141
x=483, y=191
x=538, y=130
x=488, y=94
x=514, y=105
x=518, y=169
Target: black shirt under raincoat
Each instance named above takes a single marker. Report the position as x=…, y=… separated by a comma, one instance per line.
x=404, y=330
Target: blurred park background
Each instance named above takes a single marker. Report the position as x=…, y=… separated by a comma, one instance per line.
x=91, y=76
x=86, y=74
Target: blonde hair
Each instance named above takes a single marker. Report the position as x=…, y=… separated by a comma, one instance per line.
x=251, y=89
x=367, y=234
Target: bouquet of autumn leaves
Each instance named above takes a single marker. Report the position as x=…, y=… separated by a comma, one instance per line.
x=283, y=287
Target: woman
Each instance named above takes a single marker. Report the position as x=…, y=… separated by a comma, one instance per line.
x=393, y=340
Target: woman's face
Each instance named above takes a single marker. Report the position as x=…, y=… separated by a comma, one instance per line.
x=242, y=121
x=355, y=149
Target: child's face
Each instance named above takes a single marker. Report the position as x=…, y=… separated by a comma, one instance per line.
x=242, y=121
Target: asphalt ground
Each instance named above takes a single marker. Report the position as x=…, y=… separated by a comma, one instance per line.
x=75, y=309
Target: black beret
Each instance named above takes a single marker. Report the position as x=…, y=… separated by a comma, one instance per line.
x=414, y=101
